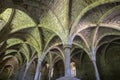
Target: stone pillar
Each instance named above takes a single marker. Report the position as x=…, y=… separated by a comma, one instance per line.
x=50, y=72
x=67, y=64
x=94, y=64
x=26, y=70
x=96, y=70
x=38, y=72
x=67, y=60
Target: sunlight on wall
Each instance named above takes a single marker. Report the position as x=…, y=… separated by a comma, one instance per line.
x=73, y=69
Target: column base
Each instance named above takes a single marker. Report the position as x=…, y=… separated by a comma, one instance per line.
x=67, y=78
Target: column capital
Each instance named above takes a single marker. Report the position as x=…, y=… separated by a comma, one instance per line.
x=67, y=46
x=94, y=59
x=39, y=61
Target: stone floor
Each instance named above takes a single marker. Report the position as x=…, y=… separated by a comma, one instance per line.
x=67, y=78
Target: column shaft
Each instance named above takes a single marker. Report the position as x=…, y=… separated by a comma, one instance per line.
x=67, y=61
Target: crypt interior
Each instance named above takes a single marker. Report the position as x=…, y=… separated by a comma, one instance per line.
x=59, y=39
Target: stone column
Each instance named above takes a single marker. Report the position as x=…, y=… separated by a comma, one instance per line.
x=67, y=60
x=96, y=70
x=26, y=70
x=50, y=71
x=94, y=64
x=67, y=64
x=38, y=72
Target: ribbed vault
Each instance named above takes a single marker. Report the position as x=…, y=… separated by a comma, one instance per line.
x=38, y=33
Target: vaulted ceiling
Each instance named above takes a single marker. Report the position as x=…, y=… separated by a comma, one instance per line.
x=32, y=28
